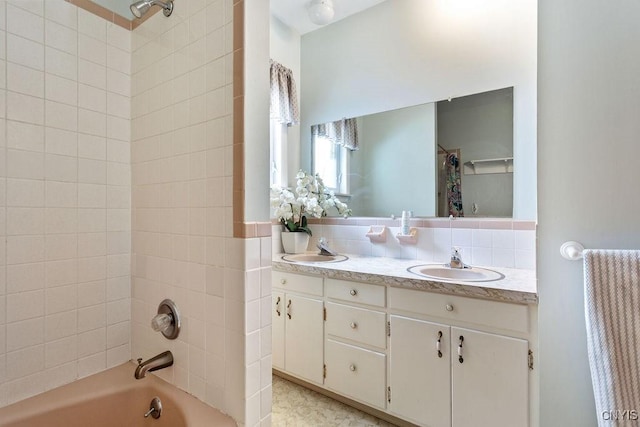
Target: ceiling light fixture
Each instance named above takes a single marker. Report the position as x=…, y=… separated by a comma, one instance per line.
x=321, y=11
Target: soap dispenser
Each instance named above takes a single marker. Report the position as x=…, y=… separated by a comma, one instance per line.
x=404, y=223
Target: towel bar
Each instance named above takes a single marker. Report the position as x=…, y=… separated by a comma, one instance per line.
x=571, y=250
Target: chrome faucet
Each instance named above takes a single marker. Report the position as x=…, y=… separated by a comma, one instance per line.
x=456, y=259
x=162, y=360
x=324, y=248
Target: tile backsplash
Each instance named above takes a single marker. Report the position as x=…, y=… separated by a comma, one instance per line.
x=490, y=243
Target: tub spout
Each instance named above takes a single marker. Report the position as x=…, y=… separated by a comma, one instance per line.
x=162, y=360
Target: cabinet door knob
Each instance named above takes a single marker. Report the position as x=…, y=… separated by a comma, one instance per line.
x=353, y=325
x=448, y=307
x=353, y=292
x=283, y=281
x=352, y=368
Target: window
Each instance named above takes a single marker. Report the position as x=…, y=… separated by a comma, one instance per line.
x=330, y=160
x=278, y=157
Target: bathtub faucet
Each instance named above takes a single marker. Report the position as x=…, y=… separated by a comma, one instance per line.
x=162, y=360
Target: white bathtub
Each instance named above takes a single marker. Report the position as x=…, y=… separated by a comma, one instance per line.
x=112, y=398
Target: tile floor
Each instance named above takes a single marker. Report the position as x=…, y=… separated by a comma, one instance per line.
x=296, y=406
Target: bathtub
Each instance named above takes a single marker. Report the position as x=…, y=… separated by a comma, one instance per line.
x=112, y=398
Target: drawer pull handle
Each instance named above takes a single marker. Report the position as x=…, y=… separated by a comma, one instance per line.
x=353, y=325
x=289, y=310
x=353, y=292
x=278, y=306
x=460, y=359
x=438, y=344
x=283, y=281
x=449, y=307
x=352, y=368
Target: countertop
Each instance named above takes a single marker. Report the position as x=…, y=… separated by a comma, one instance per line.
x=518, y=286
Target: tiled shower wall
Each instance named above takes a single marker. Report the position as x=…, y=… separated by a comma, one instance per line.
x=490, y=243
x=64, y=195
x=183, y=245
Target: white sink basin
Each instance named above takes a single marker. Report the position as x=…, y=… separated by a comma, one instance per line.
x=443, y=272
x=314, y=258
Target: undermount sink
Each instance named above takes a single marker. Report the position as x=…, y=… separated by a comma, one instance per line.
x=314, y=258
x=444, y=272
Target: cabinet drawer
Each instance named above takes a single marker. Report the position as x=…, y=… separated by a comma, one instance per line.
x=363, y=293
x=311, y=285
x=357, y=324
x=495, y=314
x=356, y=373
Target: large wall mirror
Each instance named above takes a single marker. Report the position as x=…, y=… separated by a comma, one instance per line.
x=448, y=64
x=453, y=157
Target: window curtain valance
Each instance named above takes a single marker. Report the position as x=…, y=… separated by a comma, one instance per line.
x=342, y=132
x=284, y=100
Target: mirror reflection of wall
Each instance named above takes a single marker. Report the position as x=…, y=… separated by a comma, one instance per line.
x=480, y=127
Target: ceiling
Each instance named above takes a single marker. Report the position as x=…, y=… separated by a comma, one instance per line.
x=294, y=12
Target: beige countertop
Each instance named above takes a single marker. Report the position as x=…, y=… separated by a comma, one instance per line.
x=518, y=286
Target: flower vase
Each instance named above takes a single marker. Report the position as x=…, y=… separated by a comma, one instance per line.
x=295, y=242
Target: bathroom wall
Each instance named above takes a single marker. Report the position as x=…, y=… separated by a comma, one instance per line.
x=64, y=196
x=589, y=100
x=182, y=161
x=408, y=52
x=489, y=243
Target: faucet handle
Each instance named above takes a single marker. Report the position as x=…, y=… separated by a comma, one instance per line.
x=139, y=361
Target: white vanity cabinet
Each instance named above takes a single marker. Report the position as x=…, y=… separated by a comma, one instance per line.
x=443, y=375
x=431, y=359
x=297, y=327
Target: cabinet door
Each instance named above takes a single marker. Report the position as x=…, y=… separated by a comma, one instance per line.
x=277, y=329
x=356, y=372
x=304, y=335
x=420, y=377
x=490, y=384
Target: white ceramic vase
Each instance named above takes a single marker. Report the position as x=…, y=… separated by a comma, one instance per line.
x=295, y=242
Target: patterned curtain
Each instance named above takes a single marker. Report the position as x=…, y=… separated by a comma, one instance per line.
x=342, y=132
x=284, y=99
x=454, y=187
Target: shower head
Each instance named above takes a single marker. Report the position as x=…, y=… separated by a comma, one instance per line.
x=141, y=7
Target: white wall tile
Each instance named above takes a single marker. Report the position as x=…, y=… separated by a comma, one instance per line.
x=62, y=13
x=25, y=52
x=92, y=98
x=25, y=108
x=25, y=192
x=25, y=136
x=61, y=89
x=25, y=80
x=60, y=63
x=92, y=25
x=92, y=74
x=92, y=49
x=61, y=116
x=61, y=168
x=25, y=164
x=61, y=38
x=24, y=334
x=24, y=362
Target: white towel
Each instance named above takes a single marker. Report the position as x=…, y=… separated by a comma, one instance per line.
x=612, y=312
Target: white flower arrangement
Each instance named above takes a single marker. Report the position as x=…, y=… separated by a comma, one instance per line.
x=309, y=198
